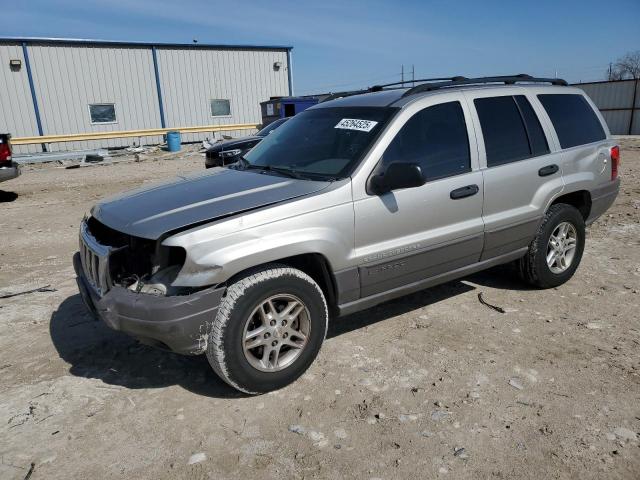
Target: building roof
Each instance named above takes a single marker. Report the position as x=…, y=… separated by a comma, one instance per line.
x=120, y=43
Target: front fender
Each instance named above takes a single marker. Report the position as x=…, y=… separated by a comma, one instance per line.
x=216, y=253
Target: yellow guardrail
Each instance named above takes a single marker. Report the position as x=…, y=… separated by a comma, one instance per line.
x=79, y=137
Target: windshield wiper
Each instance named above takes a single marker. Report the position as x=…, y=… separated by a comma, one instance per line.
x=269, y=168
x=246, y=165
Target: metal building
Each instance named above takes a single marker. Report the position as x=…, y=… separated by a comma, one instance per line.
x=619, y=102
x=69, y=86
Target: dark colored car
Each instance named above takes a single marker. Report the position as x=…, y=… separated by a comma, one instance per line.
x=230, y=151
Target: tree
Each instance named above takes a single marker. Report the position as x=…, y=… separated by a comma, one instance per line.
x=627, y=66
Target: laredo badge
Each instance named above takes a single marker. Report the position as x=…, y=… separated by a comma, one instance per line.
x=354, y=124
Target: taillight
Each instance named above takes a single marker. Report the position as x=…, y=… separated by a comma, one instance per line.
x=5, y=152
x=615, y=161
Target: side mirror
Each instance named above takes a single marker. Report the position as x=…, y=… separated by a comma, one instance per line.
x=396, y=176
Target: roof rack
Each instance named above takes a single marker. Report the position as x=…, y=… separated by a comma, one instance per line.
x=379, y=88
x=430, y=84
x=507, y=80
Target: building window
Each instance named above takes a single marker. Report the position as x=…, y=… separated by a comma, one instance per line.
x=220, y=108
x=102, y=113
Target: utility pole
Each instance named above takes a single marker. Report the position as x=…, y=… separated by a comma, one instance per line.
x=413, y=75
x=402, y=73
x=610, y=71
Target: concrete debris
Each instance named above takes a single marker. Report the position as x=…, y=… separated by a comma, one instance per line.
x=626, y=434
x=439, y=415
x=515, y=382
x=340, y=433
x=299, y=429
x=197, y=458
x=593, y=326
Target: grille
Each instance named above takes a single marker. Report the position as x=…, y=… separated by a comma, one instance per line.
x=95, y=261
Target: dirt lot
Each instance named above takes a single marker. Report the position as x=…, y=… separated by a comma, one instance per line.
x=434, y=385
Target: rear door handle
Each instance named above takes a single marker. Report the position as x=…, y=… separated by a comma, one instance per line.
x=463, y=192
x=548, y=170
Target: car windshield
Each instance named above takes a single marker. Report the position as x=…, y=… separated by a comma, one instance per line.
x=324, y=142
x=271, y=127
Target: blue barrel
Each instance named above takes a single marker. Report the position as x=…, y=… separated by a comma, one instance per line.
x=173, y=141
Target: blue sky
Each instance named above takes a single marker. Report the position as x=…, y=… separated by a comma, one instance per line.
x=347, y=44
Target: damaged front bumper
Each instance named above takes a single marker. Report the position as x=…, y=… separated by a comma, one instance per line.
x=176, y=323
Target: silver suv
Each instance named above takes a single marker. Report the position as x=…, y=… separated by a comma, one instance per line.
x=358, y=200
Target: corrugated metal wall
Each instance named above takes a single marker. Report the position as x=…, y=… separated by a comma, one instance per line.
x=616, y=103
x=68, y=77
x=190, y=79
x=17, y=115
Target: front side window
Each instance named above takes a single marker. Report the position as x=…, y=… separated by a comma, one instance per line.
x=102, y=113
x=220, y=108
x=573, y=118
x=328, y=142
x=436, y=139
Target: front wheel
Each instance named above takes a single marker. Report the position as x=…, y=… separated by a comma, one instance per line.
x=556, y=251
x=268, y=330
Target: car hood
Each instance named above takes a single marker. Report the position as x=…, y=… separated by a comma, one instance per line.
x=235, y=143
x=149, y=212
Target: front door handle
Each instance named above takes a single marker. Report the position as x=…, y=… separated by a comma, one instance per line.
x=548, y=170
x=463, y=192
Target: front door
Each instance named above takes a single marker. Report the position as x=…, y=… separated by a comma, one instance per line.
x=411, y=234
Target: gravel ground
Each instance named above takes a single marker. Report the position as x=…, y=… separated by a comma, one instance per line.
x=433, y=385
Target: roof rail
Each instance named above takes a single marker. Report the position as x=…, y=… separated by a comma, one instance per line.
x=379, y=88
x=507, y=80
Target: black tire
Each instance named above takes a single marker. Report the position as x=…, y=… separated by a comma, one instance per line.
x=225, y=343
x=533, y=268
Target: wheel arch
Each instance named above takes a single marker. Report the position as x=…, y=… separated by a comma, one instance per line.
x=316, y=265
x=579, y=199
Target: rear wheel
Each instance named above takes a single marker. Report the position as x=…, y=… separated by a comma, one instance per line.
x=556, y=251
x=268, y=330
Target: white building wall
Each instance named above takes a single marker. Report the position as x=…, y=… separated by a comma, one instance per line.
x=68, y=78
x=191, y=78
x=17, y=115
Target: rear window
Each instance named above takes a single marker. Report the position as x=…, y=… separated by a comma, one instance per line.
x=573, y=118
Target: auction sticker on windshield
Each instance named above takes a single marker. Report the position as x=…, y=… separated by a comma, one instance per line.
x=354, y=124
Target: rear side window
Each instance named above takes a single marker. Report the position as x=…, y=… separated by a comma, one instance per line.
x=573, y=118
x=505, y=136
x=537, y=140
x=436, y=139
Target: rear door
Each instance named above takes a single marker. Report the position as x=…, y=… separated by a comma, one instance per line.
x=582, y=137
x=411, y=234
x=522, y=169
